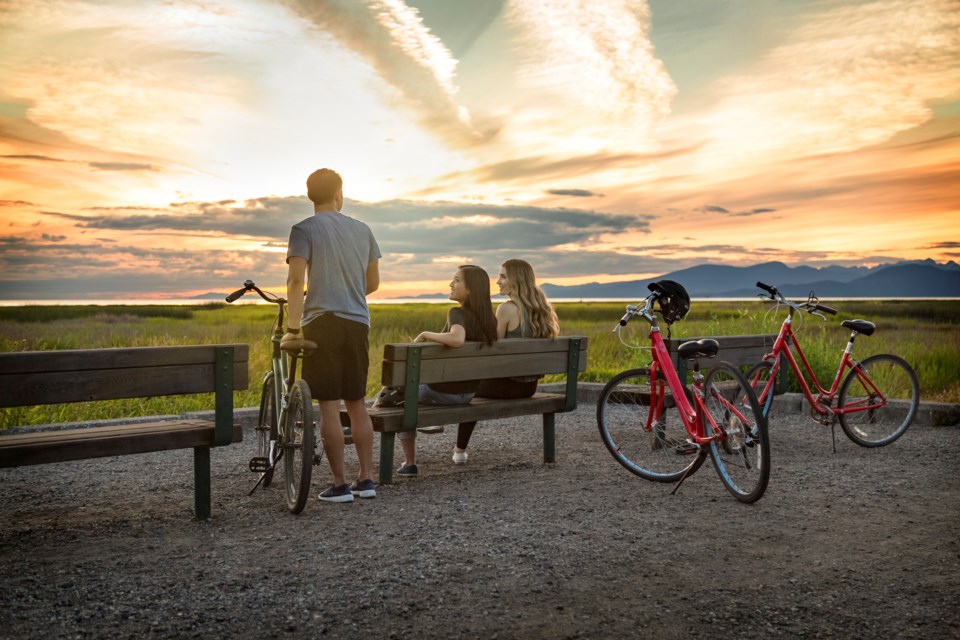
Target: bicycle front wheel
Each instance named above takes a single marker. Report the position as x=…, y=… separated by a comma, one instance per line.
x=758, y=377
x=742, y=456
x=641, y=426
x=878, y=400
x=298, y=445
x=266, y=428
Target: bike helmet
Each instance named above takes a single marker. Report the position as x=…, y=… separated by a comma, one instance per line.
x=673, y=298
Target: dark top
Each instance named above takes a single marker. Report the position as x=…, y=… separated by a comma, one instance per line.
x=458, y=315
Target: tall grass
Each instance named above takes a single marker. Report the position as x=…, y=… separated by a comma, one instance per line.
x=925, y=333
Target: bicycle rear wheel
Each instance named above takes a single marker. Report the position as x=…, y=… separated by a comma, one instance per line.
x=869, y=419
x=647, y=438
x=742, y=456
x=266, y=428
x=298, y=445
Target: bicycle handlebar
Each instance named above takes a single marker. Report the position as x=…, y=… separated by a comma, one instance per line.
x=631, y=311
x=635, y=310
x=811, y=305
x=249, y=285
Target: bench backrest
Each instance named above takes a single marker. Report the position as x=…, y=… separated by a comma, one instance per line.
x=409, y=364
x=742, y=351
x=52, y=377
x=503, y=359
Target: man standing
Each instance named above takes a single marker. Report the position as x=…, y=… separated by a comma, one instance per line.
x=339, y=258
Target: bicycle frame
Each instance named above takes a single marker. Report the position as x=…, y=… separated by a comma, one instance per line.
x=283, y=375
x=786, y=343
x=692, y=416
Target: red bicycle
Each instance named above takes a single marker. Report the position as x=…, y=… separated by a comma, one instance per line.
x=877, y=399
x=659, y=429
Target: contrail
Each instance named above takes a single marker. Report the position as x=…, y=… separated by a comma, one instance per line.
x=598, y=54
x=392, y=38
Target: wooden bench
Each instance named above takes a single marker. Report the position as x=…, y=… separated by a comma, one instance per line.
x=53, y=377
x=742, y=351
x=410, y=364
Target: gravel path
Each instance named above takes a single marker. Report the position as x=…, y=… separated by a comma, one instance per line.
x=861, y=543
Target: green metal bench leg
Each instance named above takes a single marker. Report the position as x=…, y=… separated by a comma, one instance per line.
x=386, y=457
x=201, y=482
x=549, y=438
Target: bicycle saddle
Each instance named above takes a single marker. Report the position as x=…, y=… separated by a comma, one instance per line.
x=704, y=348
x=860, y=326
x=293, y=346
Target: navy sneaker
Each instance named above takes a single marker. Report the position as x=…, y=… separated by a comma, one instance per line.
x=408, y=471
x=337, y=493
x=363, y=489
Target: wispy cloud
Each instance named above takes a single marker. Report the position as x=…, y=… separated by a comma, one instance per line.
x=393, y=39
x=576, y=193
x=597, y=55
x=848, y=77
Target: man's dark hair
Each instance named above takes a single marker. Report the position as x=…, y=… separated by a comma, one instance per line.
x=323, y=184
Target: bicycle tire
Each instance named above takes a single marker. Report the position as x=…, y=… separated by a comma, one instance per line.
x=661, y=453
x=298, y=445
x=758, y=376
x=266, y=428
x=880, y=426
x=742, y=457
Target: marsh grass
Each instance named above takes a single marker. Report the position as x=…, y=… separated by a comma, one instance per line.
x=923, y=332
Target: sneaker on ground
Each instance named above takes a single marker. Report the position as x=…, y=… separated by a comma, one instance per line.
x=408, y=470
x=459, y=457
x=337, y=493
x=363, y=489
x=437, y=429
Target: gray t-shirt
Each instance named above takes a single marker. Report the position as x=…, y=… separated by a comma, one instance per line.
x=337, y=249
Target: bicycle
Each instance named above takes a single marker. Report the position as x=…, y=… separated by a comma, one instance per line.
x=661, y=430
x=287, y=435
x=877, y=399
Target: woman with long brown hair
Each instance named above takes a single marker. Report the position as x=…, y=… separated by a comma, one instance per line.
x=472, y=320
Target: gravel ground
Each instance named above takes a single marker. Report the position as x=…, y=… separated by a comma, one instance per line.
x=860, y=544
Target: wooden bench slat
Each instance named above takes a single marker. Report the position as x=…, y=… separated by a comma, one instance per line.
x=491, y=365
x=505, y=358
x=86, y=359
x=22, y=389
x=435, y=351
x=391, y=418
x=96, y=442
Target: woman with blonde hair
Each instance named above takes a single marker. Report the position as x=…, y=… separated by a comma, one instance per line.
x=526, y=314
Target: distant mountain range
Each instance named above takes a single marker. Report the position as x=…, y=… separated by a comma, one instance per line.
x=923, y=279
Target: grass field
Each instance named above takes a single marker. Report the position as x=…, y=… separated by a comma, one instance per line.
x=925, y=333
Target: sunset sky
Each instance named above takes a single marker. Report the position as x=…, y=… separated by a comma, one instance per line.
x=160, y=149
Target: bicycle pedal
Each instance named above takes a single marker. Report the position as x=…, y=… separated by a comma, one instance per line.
x=687, y=449
x=259, y=465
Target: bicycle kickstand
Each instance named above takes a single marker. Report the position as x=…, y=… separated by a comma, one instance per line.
x=262, y=475
x=686, y=473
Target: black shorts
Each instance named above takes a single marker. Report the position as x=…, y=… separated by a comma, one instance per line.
x=337, y=370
